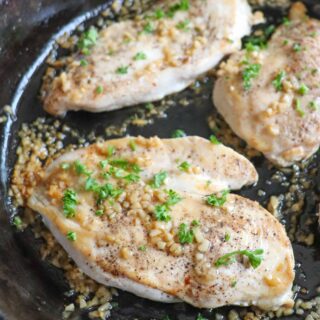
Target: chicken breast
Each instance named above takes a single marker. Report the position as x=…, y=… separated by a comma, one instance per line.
x=149, y=57
x=270, y=96
x=158, y=239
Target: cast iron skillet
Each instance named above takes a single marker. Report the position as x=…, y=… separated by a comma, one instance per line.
x=29, y=287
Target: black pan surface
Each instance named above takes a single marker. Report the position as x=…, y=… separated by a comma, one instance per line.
x=29, y=287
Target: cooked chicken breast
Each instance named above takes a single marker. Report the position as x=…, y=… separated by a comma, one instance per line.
x=154, y=237
x=147, y=58
x=270, y=96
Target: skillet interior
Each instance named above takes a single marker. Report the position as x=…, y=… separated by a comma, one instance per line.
x=29, y=287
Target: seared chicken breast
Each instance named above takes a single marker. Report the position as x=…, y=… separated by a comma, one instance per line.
x=149, y=57
x=126, y=214
x=270, y=95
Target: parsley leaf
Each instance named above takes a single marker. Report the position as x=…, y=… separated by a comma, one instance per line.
x=216, y=201
x=158, y=179
x=184, y=166
x=183, y=25
x=185, y=234
x=303, y=89
x=178, y=134
x=214, y=140
x=299, y=109
x=255, y=257
x=140, y=56
x=250, y=72
x=72, y=236
x=122, y=70
x=277, y=82
x=81, y=168
x=162, y=212
x=87, y=40
x=70, y=202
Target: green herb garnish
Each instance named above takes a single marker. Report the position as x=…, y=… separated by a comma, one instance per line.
x=140, y=56
x=184, y=166
x=83, y=63
x=303, y=89
x=214, y=140
x=70, y=202
x=227, y=237
x=99, y=212
x=216, y=201
x=72, y=236
x=81, y=168
x=249, y=73
x=99, y=89
x=299, y=108
x=182, y=5
x=277, y=82
x=297, y=47
x=158, y=179
x=122, y=70
x=17, y=222
x=195, y=223
x=87, y=40
x=65, y=165
x=255, y=257
x=148, y=27
x=183, y=25
x=178, y=134
x=201, y=317
x=161, y=212
x=132, y=145
x=142, y=248
x=185, y=234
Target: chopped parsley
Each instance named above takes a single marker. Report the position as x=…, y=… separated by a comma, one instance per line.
x=195, y=223
x=158, y=179
x=250, y=72
x=185, y=234
x=162, y=210
x=277, y=82
x=103, y=164
x=17, y=222
x=72, y=236
x=297, y=47
x=132, y=145
x=299, y=108
x=256, y=42
x=227, y=237
x=99, y=89
x=286, y=21
x=122, y=70
x=159, y=14
x=99, y=212
x=142, y=248
x=149, y=106
x=148, y=27
x=111, y=150
x=70, y=202
x=80, y=168
x=184, y=166
x=313, y=105
x=125, y=165
x=183, y=25
x=216, y=201
x=140, y=56
x=178, y=134
x=83, y=63
x=182, y=5
x=200, y=317
x=214, y=140
x=173, y=198
x=87, y=40
x=233, y=283
x=303, y=89
x=65, y=165
x=255, y=257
